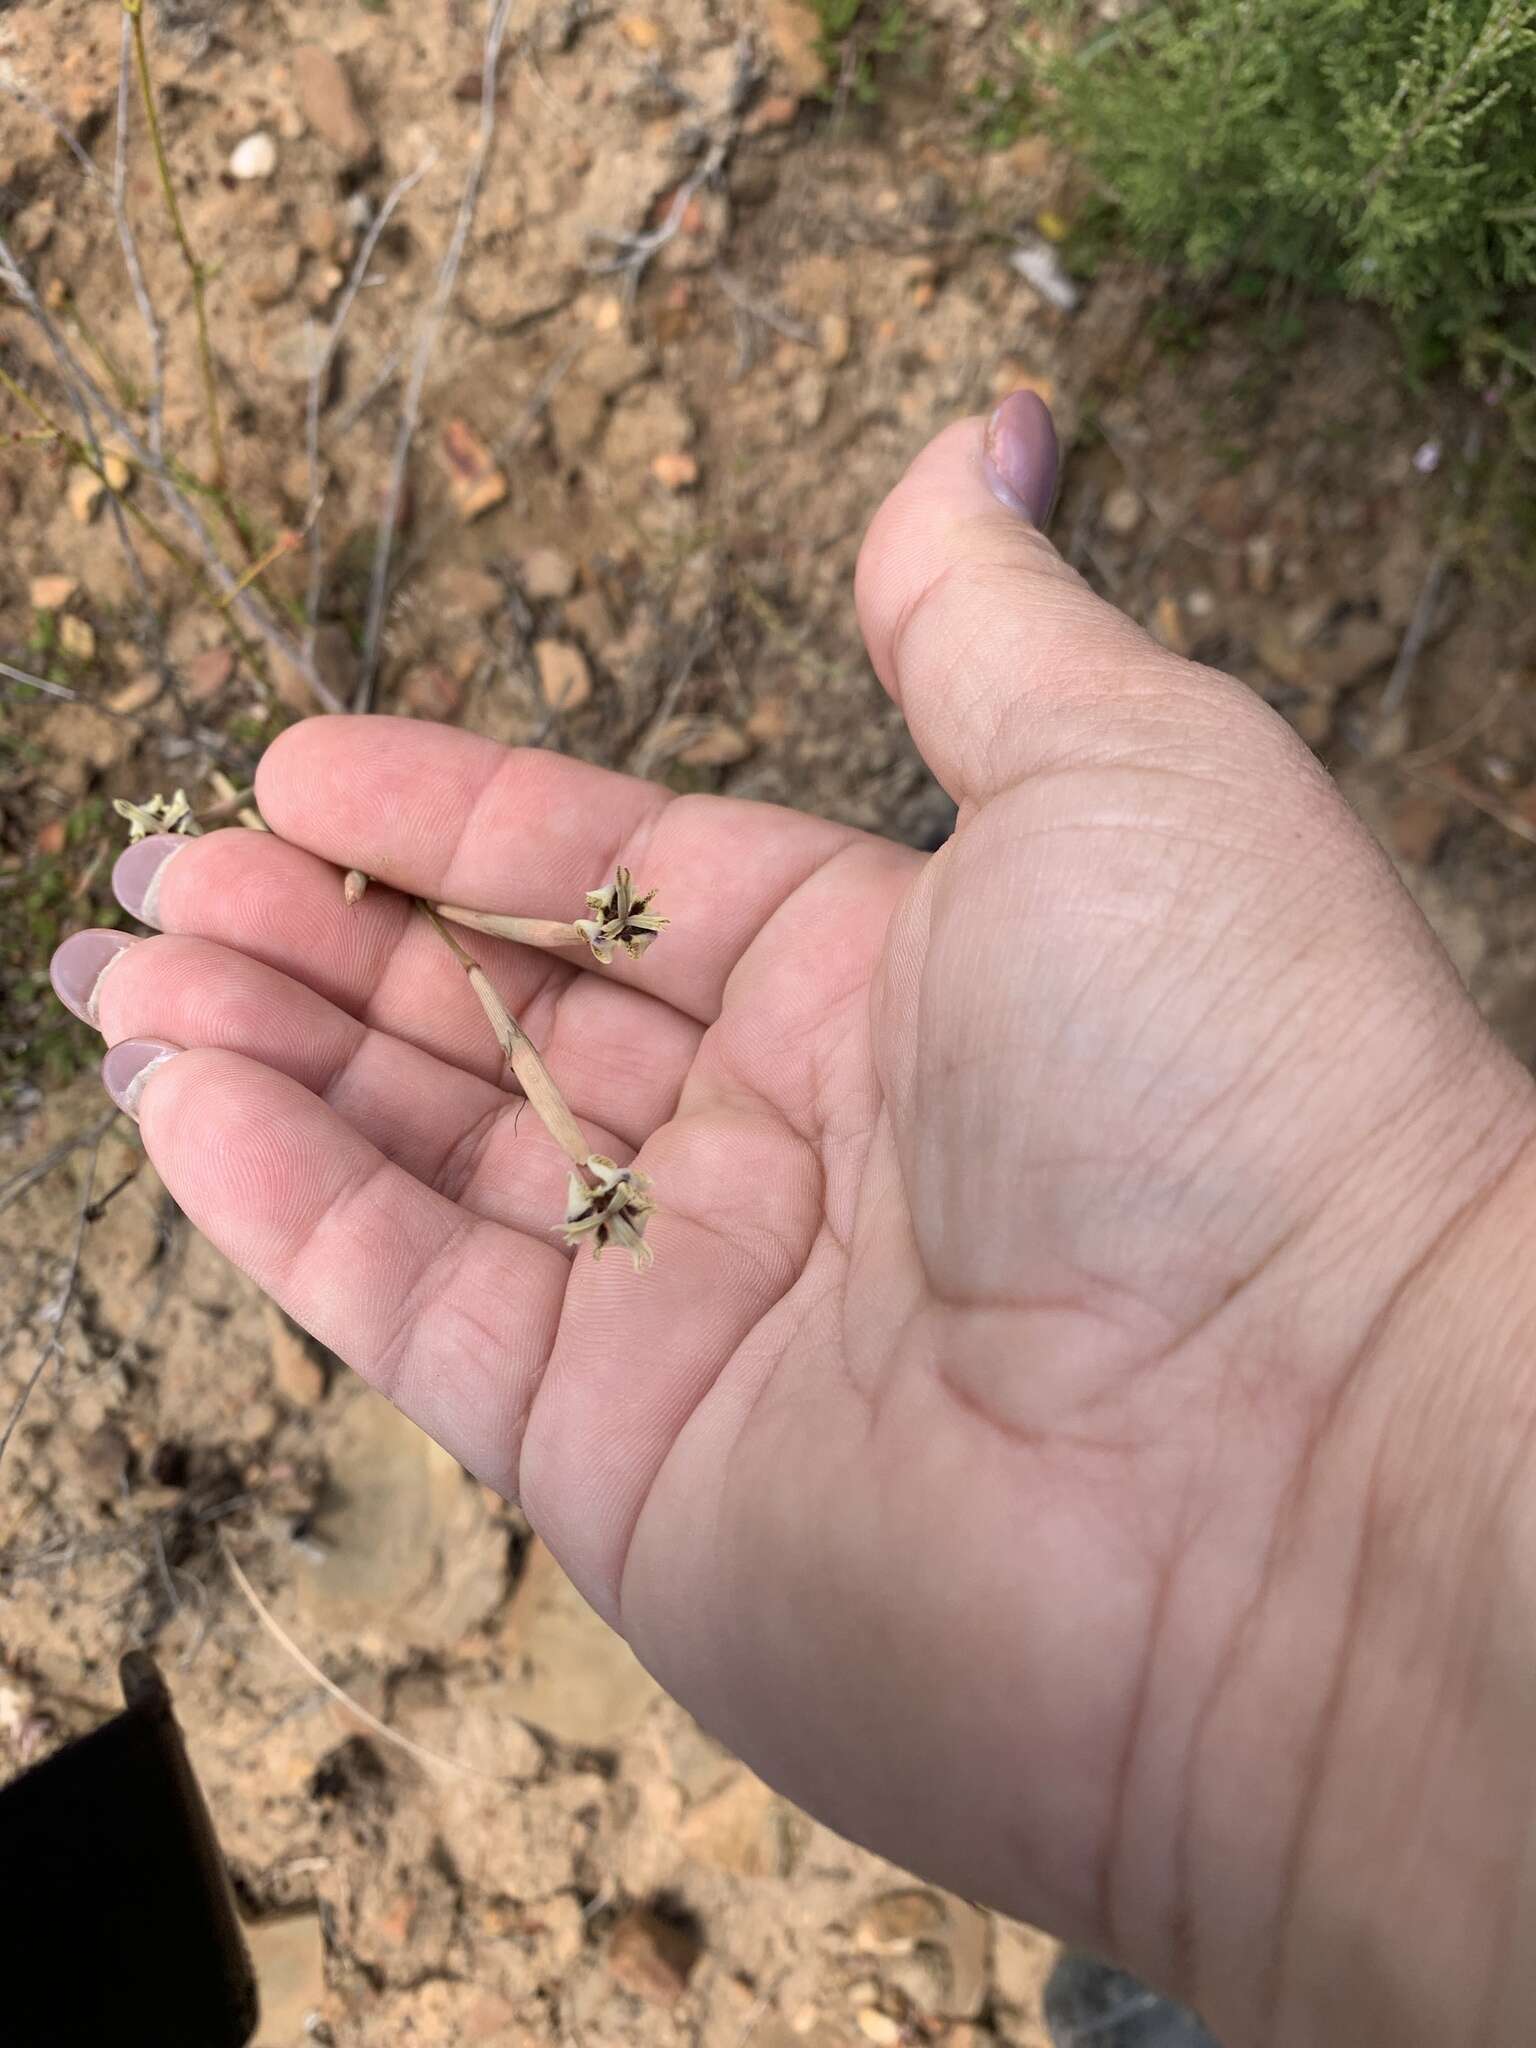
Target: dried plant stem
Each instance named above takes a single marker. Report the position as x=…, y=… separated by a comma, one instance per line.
x=82, y=387
x=134, y=9
x=60, y=692
x=148, y=317
x=66, y=1294
x=431, y=326
x=283, y=545
x=27, y=1177
x=116, y=375
x=533, y=1077
x=320, y=373
x=79, y=451
x=274, y=1628
x=525, y=931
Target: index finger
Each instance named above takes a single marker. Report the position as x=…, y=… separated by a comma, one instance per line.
x=447, y=815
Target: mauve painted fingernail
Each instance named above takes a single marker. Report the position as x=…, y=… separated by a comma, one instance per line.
x=127, y=1068
x=136, y=878
x=79, y=967
x=1020, y=459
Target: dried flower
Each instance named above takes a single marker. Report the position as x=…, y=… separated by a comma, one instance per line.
x=160, y=814
x=619, y=918
x=612, y=1212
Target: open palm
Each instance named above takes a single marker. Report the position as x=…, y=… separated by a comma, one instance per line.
x=979, y=1457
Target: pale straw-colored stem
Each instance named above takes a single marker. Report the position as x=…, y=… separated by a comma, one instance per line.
x=527, y=931
x=532, y=1076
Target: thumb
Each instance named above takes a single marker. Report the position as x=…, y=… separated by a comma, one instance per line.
x=1002, y=659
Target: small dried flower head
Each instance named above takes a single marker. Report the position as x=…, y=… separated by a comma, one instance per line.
x=619, y=918
x=612, y=1212
x=160, y=814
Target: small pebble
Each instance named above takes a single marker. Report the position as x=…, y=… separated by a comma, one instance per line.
x=51, y=593
x=77, y=638
x=834, y=337
x=565, y=681
x=546, y=573
x=136, y=695
x=675, y=471
x=255, y=157
x=1123, y=511
x=84, y=492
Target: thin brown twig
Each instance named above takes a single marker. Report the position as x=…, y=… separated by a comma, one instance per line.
x=759, y=309
x=283, y=545
x=320, y=373
x=632, y=252
x=377, y=384
x=26, y=1177
x=1417, y=634
x=1435, y=751
x=65, y=1299
x=1456, y=786
x=437, y=309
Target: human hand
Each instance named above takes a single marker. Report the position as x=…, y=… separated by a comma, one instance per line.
x=1044, y=1445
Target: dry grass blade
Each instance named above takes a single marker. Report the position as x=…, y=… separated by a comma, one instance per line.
x=435, y=1759
x=410, y=409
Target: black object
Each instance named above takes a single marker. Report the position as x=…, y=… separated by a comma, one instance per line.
x=1089, y=2004
x=117, y=1922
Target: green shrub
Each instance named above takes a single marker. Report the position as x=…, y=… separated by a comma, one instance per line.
x=1385, y=148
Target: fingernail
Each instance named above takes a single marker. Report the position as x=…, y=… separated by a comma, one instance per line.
x=80, y=966
x=127, y=1069
x=136, y=878
x=1020, y=459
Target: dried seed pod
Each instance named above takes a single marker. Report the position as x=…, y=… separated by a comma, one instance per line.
x=619, y=918
x=614, y=1211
